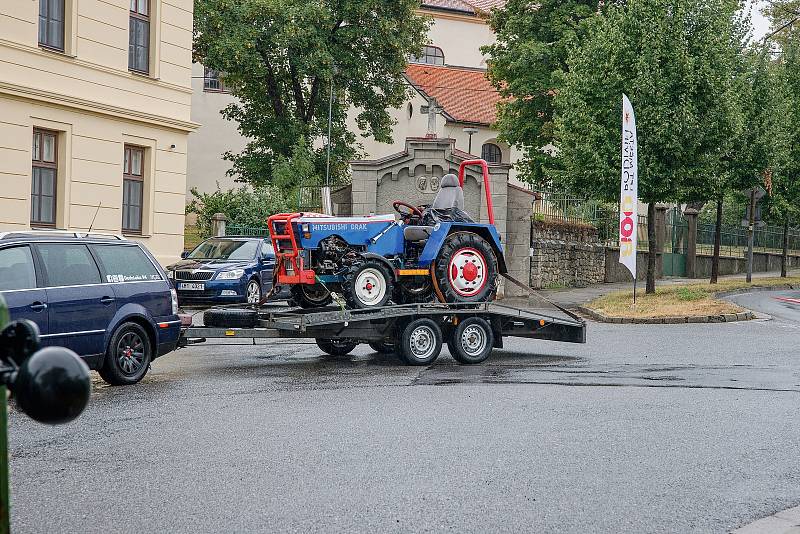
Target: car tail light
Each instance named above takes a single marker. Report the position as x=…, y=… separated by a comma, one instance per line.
x=174, y=295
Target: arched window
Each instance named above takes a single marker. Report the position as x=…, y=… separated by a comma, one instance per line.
x=431, y=55
x=491, y=153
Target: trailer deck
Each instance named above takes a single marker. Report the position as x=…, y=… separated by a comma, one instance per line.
x=392, y=327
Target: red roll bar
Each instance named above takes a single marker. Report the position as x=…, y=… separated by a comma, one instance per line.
x=486, y=185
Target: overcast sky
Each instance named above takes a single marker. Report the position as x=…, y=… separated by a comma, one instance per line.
x=760, y=24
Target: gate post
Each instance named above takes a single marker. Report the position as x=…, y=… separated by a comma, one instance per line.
x=691, y=242
x=218, y=221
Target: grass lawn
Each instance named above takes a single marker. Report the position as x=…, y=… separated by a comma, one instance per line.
x=695, y=299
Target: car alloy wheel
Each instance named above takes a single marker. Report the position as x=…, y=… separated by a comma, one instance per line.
x=253, y=292
x=130, y=353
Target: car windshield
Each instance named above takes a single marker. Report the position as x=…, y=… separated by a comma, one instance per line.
x=225, y=249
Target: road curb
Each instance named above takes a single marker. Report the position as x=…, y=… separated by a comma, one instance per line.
x=724, y=318
x=783, y=522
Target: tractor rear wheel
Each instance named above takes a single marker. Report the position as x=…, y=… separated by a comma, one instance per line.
x=368, y=285
x=307, y=296
x=465, y=269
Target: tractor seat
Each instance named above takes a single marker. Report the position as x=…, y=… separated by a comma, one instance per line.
x=450, y=194
x=417, y=234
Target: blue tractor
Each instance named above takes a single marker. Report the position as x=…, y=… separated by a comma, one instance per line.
x=421, y=254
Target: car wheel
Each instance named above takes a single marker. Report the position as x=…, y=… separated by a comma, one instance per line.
x=471, y=341
x=421, y=342
x=336, y=347
x=230, y=318
x=128, y=356
x=254, y=292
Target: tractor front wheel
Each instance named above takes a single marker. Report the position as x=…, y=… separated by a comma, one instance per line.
x=311, y=296
x=466, y=269
x=368, y=285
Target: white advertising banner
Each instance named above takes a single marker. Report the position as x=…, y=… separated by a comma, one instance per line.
x=629, y=195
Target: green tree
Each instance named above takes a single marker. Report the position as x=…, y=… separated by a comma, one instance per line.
x=533, y=40
x=280, y=59
x=784, y=200
x=675, y=59
x=785, y=18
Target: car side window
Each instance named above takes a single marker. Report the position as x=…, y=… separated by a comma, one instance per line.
x=267, y=251
x=125, y=263
x=16, y=269
x=68, y=265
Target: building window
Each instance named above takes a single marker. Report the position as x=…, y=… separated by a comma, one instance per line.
x=139, y=37
x=44, y=178
x=51, y=24
x=431, y=55
x=491, y=153
x=213, y=81
x=133, y=190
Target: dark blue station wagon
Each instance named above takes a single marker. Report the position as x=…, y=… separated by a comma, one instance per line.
x=104, y=297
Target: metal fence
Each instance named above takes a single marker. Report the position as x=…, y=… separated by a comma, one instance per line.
x=566, y=208
x=734, y=240
x=248, y=231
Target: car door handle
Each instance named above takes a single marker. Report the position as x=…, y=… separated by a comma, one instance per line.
x=38, y=306
x=107, y=300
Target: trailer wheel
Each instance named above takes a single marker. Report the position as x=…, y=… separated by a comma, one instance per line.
x=336, y=347
x=471, y=341
x=465, y=270
x=231, y=318
x=383, y=347
x=421, y=342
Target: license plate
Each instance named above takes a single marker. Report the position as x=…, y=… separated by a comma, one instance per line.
x=191, y=287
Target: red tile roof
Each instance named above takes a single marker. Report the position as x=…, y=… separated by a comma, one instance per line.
x=474, y=7
x=465, y=94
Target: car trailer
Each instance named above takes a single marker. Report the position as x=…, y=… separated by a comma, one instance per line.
x=415, y=331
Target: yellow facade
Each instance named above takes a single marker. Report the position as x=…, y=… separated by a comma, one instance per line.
x=87, y=95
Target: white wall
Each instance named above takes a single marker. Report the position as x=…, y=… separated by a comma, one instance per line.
x=215, y=137
x=461, y=38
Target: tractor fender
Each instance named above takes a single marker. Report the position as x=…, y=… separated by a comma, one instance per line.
x=378, y=257
x=491, y=237
x=434, y=244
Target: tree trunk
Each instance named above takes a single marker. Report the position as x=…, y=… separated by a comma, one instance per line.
x=652, y=246
x=717, y=244
x=785, y=256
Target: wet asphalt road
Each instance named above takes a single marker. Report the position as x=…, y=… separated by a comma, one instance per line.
x=673, y=428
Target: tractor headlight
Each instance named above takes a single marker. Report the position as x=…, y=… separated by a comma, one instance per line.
x=235, y=274
x=171, y=274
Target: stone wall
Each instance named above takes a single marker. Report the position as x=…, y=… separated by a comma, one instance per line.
x=616, y=272
x=565, y=254
x=762, y=262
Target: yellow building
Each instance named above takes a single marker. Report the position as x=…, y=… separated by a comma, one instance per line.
x=95, y=99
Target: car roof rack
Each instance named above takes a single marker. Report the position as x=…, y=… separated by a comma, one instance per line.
x=61, y=233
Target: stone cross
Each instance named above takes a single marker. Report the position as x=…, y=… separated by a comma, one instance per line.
x=432, y=109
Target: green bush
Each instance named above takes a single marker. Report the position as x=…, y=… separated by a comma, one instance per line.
x=244, y=206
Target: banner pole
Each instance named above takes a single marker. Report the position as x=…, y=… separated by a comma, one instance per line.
x=634, y=290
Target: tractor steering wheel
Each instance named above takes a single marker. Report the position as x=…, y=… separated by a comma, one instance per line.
x=409, y=213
